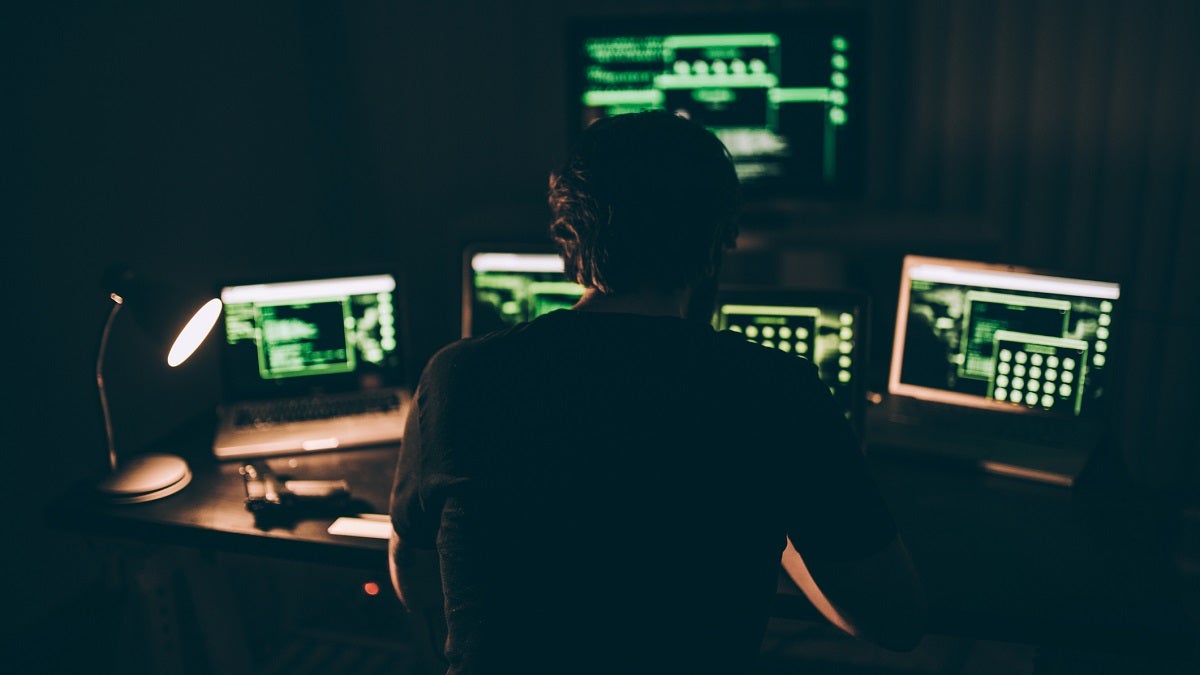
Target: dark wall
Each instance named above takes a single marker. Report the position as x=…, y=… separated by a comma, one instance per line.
x=200, y=141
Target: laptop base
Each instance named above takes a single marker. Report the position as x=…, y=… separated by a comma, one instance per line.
x=1040, y=452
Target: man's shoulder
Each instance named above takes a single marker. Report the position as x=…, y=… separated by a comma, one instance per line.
x=746, y=354
x=471, y=353
x=460, y=354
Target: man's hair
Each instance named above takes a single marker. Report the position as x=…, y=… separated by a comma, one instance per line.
x=646, y=200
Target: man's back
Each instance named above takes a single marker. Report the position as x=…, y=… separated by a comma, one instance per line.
x=611, y=492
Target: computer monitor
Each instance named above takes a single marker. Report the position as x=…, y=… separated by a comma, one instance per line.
x=1002, y=338
x=784, y=92
x=294, y=337
x=504, y=285
x=827, y=327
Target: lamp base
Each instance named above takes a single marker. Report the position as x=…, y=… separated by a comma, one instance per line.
x=145, y=478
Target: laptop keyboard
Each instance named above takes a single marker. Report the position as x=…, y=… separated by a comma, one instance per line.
x=1033, y=431
x=306, y=409
x=935, y=425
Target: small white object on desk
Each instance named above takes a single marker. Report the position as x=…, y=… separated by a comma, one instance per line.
x=370, y=525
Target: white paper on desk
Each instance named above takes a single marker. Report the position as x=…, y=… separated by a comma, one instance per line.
x=361, y=527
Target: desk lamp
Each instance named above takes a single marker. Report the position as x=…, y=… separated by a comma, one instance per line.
x=178, y=324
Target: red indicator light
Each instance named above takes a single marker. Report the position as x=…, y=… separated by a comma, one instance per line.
x=371, y=588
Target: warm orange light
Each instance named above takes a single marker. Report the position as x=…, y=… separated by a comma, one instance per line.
x=371, y=588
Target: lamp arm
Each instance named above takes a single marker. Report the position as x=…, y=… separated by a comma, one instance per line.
x=108, y=430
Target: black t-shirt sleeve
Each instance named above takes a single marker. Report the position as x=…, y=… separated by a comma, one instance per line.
x=412, y=521
x=426, y=469
x=834, y=509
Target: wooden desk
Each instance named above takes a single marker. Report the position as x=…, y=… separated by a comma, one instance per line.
x=1002, y=559
x=181, y=565
x=211, y=512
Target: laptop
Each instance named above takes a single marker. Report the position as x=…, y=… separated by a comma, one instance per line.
x=507, y=284
x=827, y=327
x=309, y=365
x=1000, y=366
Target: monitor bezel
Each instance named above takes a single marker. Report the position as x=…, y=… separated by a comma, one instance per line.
x=899, y=389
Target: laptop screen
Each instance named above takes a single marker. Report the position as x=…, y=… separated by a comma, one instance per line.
x=828, y=328
x=302, y=337
x=1000, y=337
x=506, y=286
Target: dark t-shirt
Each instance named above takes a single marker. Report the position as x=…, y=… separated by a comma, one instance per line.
x=610, y=493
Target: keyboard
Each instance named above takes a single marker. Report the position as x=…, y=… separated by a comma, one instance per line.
x=316, y=408
x=944, y=432
x=1047, y=449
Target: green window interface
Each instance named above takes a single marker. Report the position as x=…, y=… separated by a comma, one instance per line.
x=1042, y=350
x=314, y=336
x=986, y=313
x=1039, y=371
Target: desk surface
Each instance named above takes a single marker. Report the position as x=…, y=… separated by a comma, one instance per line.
x=211, y=511
x=1001, y=559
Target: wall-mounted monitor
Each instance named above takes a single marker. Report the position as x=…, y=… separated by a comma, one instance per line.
x=784, y=92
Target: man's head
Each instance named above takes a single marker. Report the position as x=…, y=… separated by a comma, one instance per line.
x=646, y=201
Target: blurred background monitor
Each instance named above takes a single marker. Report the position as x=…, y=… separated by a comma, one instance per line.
x=826, y=327
x=504, y=285
x=1001, y=337
x=784, y=92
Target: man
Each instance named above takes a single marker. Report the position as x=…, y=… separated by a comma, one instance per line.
x=609, y=489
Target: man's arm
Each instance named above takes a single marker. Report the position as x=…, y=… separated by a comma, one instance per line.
x=413, y=563
x=877, y=597
x=417, y=578
x=844, y=550
x=412, y=556
x=416, y=575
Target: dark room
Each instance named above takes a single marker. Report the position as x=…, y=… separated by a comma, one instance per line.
x=575, y=237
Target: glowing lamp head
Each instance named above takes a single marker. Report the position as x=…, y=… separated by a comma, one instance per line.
x=197, y=328
x=169, y=315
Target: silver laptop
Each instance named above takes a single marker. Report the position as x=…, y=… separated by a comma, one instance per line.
x=1005, y=367
x=310, y=365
